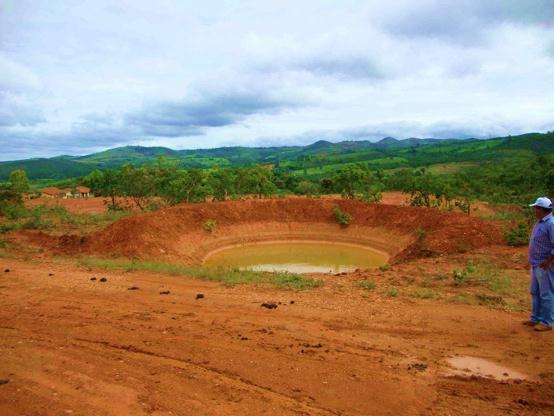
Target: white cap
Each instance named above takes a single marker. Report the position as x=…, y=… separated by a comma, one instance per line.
x=542, y=202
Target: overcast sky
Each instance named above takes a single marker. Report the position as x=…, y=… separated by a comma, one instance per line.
x=82, y=76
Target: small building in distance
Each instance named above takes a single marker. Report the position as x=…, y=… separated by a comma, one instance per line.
x=53, y=192
x=82, y=192
x=78, y=192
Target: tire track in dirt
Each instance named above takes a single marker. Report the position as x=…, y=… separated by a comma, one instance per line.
x=232, y=378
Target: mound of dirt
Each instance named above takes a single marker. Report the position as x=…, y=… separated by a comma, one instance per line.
x=179, y=232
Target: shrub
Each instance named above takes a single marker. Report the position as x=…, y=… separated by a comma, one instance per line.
x=6, y=228
x=307, y=188
x=14, y=211
x=518, y=235
x=343, y=218
x=36, y=221
x=210, y=225
x=460, y=276
x=421, y=234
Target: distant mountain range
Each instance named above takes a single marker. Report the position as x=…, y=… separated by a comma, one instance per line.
x=386, y=153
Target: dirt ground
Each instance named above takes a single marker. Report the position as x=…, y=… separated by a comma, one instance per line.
x=69, y=345
x=143, y=343
x=94, y=205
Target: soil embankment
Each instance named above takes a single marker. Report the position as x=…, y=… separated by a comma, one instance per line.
x=178, y=233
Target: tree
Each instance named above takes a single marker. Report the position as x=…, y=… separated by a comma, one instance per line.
x=138, y=184
x=307, y=188
x=223, y=183
x=357, y=181
x=105, y=184
x=18, y=181
x=257, y=180
x=326, y=185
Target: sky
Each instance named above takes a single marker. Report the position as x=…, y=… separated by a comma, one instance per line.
x=78, y=77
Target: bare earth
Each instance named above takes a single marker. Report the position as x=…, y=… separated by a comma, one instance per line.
x=71, y=345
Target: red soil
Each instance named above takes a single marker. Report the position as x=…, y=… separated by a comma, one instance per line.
x=76, y=206
x=69, y=345
x=155, y=234
x=96, y=205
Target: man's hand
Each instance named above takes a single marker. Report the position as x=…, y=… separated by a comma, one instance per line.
x=547, y=264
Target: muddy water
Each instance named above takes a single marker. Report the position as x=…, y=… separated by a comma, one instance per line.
x=298, y=257
x=466, y=366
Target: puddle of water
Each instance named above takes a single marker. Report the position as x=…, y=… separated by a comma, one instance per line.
x=298, y=257
x=467, y=366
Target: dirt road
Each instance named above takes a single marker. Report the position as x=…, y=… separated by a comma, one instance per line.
x=69, y=345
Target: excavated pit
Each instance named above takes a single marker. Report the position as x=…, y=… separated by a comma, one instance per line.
x=179, y=233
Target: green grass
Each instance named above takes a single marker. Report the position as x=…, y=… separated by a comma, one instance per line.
x=392, y=292
x=426, y=294
x=460, y=299
x=491, y=300
x=365, y=284
x=229, y=277
x=44, y=217
x=293, y=281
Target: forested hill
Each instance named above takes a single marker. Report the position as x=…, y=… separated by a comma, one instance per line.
x=388, y=153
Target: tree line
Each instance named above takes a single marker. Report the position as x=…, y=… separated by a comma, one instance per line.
x=514, y=181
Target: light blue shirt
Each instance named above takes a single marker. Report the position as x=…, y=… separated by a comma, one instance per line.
x=541, y=245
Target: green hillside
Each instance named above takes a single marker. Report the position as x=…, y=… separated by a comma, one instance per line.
x=314, y=161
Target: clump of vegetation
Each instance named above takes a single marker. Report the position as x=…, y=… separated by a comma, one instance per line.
x=461, y=276
x=36, y=220
x=460, y=299
x=426, y=294
x=366, y=284
x=385, y=267
x=484, y=275
x=210, y=225
x=420, y=234
x=491, y=300
x=392, y=292
x=6, y=228
x=293, y=281
x=342, y=217
x=518, y=235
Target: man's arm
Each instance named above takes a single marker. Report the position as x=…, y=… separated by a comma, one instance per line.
x=547, y=264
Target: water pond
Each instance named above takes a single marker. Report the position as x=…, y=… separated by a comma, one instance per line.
x=298, y=257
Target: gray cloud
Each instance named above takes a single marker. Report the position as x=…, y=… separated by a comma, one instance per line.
x=342, y=67
x=403, y=130
x=94, y=131
x=465, y=21
x=16, y=112
x=190, y=117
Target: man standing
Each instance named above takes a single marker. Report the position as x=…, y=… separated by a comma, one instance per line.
x=541, y=257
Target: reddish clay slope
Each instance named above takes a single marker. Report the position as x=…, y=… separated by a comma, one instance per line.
x=150, y=235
